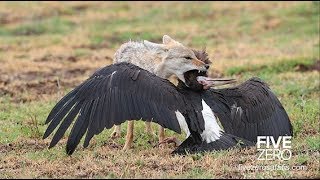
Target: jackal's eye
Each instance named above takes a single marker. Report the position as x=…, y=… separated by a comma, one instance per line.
x=188, y=57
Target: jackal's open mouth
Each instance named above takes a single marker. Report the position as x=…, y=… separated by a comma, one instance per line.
x=191, y=79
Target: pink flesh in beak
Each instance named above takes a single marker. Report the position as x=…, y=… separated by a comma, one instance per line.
x=211, y=82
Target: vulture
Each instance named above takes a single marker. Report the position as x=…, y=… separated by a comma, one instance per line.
x=213, y=119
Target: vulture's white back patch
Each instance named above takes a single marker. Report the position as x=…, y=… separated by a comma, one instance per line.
x=212, y=129
x=182, y=122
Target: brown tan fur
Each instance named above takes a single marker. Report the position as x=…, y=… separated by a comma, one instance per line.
x=164, y=60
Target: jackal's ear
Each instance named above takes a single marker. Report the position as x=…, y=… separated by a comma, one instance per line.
x=168, y=40
x=151, y=44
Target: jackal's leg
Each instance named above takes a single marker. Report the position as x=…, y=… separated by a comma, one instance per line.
x=161, y=133
x=152, y=136
x=116, y=132
x=148, y=128
x=129, y=137
x=161, y=137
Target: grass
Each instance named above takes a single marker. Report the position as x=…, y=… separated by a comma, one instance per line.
x=65, y=42
x=54, y=25
x=282, y=65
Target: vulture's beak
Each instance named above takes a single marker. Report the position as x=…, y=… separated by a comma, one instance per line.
x=213, y=82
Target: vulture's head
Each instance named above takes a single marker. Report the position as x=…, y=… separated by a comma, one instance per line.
x=199, y=80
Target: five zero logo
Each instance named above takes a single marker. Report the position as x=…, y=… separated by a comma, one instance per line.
x=271, y=149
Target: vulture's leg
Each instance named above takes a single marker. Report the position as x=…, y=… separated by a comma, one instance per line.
x=116, y=132
x=129, y=137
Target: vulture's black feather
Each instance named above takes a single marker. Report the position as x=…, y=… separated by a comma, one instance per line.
x=123, y=91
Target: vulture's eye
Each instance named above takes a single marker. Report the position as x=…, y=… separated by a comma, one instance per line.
x=188, y=57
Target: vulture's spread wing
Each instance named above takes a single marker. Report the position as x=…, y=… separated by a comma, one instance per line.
x=111, y=96
x=249, y=110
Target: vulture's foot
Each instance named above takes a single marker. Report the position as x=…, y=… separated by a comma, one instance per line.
x=169, y=140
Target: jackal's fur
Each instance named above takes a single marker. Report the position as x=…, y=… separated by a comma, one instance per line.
x=164, y=60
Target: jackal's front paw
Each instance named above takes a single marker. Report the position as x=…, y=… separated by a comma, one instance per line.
x=126, y=147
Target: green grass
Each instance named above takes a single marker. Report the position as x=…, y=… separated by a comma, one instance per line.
x=282, y=65
x=53, y=25
x=314, y=142
x=22, y=120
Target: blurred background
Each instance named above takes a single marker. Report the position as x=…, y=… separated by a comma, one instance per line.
x=47, y=48
x=71, y=39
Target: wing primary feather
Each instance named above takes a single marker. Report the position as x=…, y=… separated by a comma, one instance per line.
x=57, y=107
x=65, y=124
x=79, y=129
x=71, y=95
x=91, y=120
x=58, y=117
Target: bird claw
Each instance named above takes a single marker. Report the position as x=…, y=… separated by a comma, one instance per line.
x=169, y=140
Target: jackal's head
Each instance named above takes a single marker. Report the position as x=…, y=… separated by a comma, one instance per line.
x=178, y=59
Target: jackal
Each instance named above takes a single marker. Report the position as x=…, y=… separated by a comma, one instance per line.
x=164, y=60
